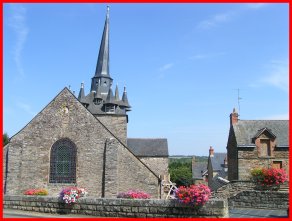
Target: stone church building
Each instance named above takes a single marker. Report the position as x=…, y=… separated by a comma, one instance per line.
x=83, y=142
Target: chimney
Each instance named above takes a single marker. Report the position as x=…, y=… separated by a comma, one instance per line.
x=233, y=117
x=225, y=164
x=211, y=152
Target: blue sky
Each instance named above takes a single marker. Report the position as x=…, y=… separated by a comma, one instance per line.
x=182, y=64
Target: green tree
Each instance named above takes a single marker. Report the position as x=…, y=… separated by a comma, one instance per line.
x=5, y=139
x=181, y=171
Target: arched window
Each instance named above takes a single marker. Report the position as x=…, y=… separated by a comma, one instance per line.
x=63, y=162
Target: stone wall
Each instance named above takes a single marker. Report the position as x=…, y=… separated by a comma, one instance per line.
x=158, y=164
x=260, y=200
x=243, y=194
x=117, y=124
x=232, y=189
x=117, y=207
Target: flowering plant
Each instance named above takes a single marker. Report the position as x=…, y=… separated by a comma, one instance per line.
x=194, y=195
x=40, y=192
x=70, y=194
x=133, y=194
x=268, y=177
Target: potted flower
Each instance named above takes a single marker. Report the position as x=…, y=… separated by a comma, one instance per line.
x=70, y=195
x=195, y=195
x=134, y=194
x=269, y=179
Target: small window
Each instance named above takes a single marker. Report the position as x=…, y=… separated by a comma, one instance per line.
x=110, y=108
x=277, y=164
x=63, y=162
x=265, y=148
x=104, y=83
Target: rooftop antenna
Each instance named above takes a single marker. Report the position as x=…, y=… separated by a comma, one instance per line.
x=238, y=100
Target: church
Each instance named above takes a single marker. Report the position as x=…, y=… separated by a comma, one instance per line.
x=82, y=141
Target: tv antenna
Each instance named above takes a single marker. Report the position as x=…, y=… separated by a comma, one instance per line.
x=238, y=100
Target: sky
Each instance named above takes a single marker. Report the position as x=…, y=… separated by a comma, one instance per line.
x=182, y=64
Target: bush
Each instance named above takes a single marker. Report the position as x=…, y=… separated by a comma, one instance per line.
x=268, y=177
x=40, y=192
x=70, y=195
x=133, y=194
x=194, y=196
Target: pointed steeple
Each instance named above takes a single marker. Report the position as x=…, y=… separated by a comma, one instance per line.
x=117, y=97
x=110, y=97
x=102, y=66
x=81, y=92
x=125, y=99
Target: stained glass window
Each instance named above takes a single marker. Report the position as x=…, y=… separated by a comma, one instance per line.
x=63, y=162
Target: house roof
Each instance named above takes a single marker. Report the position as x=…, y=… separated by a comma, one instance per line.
x=217, y=161
x=245, y=130
x=148, y=147
x=219, y=180
x=197, y=169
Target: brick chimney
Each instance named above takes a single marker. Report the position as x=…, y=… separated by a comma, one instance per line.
x=211, y=152
x=233, y=117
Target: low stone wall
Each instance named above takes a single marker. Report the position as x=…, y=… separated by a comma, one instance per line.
x=232, y=189
x=117, y=207
x=260, y=200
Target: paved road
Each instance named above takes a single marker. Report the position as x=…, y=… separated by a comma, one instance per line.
x=234, y=213
x=257, y=213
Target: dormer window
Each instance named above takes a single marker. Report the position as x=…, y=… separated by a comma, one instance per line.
x=265, y=148
x=110, y=108
x=265, y=141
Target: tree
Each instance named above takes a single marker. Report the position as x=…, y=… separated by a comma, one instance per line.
x=5, y=139
x=181, y=171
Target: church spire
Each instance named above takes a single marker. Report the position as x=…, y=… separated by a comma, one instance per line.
x=102, y=66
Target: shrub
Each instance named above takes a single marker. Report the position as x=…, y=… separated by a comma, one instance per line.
x=194, y=196
x=40, y=192
x=70, y=195
x=133, y=194
x=268, y=177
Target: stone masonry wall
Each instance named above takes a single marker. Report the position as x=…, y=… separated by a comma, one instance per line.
x=116, y=207
x=133, y=175
x=116, y=124
x=260, y=200
x=158, y=164
x=243, y=194
x=249, y=159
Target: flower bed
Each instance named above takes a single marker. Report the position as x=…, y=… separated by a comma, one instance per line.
x=40, y=192
x=134, y=194
x=194, y=196
x=271, y=177
x=70, y=195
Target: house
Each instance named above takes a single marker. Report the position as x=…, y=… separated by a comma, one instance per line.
x=212, y=172
x=83, y=142
x=256, y=143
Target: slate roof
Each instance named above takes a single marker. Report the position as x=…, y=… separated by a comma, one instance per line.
x=245, y=130
x=217, y=182
x=197, y=169
x=217, y=161
x=148, y=147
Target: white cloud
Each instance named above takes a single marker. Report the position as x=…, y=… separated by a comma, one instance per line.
x=26, y=107
x=166, y=67
x=255, y=5
x=217, y=19
x=278, y=75
x=206, y=56
x=17, y=21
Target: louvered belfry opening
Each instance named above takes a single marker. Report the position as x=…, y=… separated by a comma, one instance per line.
x=63, y=162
